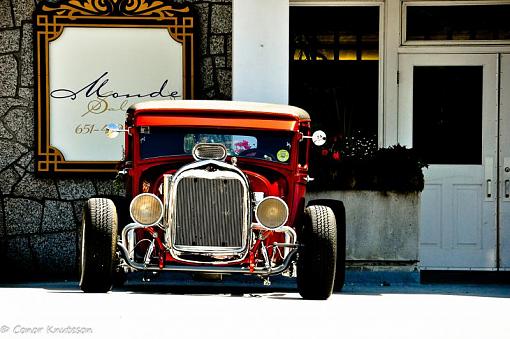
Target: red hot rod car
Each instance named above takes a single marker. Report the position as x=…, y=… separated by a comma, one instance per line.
x=216, y=188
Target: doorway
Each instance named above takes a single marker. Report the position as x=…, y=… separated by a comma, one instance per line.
x=454, y=112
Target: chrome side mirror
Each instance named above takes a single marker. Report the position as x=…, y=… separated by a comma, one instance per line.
x=113, y=130
x=318, y=138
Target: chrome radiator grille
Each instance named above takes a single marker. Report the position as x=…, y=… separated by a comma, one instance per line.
x=209, y=213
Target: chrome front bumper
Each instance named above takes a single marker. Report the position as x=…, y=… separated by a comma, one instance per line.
x=290, y=248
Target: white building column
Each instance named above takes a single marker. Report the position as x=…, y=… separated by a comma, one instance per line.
x=390, y=85
x=260, y=65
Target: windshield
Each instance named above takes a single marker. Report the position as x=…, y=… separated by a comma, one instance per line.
x=163, y=141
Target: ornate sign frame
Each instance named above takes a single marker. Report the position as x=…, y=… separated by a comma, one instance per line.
x=50, y=20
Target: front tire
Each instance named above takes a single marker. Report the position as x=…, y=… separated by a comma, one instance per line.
x=339, y=211
x=317, y=258
x=99, y=237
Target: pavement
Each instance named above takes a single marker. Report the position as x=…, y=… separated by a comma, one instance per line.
x=243, y=308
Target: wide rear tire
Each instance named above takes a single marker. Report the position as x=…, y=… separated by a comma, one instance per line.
x=317, y=258
x=98, y=246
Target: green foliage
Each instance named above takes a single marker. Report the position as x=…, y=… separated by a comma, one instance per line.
x=396, y=168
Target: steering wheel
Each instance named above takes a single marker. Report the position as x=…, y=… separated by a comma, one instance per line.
x=258, y=153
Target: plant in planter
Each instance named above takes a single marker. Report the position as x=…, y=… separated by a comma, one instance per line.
x=357, y=164
x=398, y=169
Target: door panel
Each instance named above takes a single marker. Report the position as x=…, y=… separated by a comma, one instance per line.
x=467, y=216
x=448, y=110
x=431, y=201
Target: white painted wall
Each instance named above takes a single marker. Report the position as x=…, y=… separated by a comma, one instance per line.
x=261, y=51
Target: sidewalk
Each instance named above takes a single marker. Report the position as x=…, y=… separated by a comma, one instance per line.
x=232, y=308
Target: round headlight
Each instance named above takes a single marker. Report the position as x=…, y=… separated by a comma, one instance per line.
x=146, y=209
x=272, y=212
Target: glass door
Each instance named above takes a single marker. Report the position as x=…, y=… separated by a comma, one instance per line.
x=448, y=111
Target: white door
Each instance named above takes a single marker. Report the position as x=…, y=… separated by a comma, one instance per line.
x=504, y=165
x=448, y=111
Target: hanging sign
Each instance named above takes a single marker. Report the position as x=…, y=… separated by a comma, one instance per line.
x=94, y=59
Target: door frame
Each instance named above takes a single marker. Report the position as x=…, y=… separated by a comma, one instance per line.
x=503, y=208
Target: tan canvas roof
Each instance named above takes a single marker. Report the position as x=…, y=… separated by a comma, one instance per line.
x=217, y=105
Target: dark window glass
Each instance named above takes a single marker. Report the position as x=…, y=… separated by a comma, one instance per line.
x=334, y=74
x=447, y=114
x=163, y=142
x=468, y=22
x=334, y=33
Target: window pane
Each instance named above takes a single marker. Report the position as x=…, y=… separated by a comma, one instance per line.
x=467, y=22
x=327, y=33
x=447, y=114
x=334, y=70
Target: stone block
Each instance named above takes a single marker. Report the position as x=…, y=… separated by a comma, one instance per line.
x=110, y=187
x=225, y=83
x=10, y=151
x=37, y=188
x=221, y=19
x=55, y=253
x=4, y=132
x=26, y=160
x=202, y=25
x=9, y=78
x=229, y=51
x=22, y=216
x=5, y=14
x=8, y=178
x=20, y=170
x=23, y=10
x=78, y=210
x=9, y=40
x=71, y=189
x=27, y=56
x=31, y=166
x=19, y=258
x=217, y=44
x=58, y=216
x=211, y=94
x=2, y=224
x=207, y=73
x=20, y=121
x=27, y=93
x=220, y=62
x=8, y=103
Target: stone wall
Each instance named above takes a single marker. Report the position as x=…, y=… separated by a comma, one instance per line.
x=39, y=218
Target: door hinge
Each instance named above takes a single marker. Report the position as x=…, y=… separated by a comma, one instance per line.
x=398, y=78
